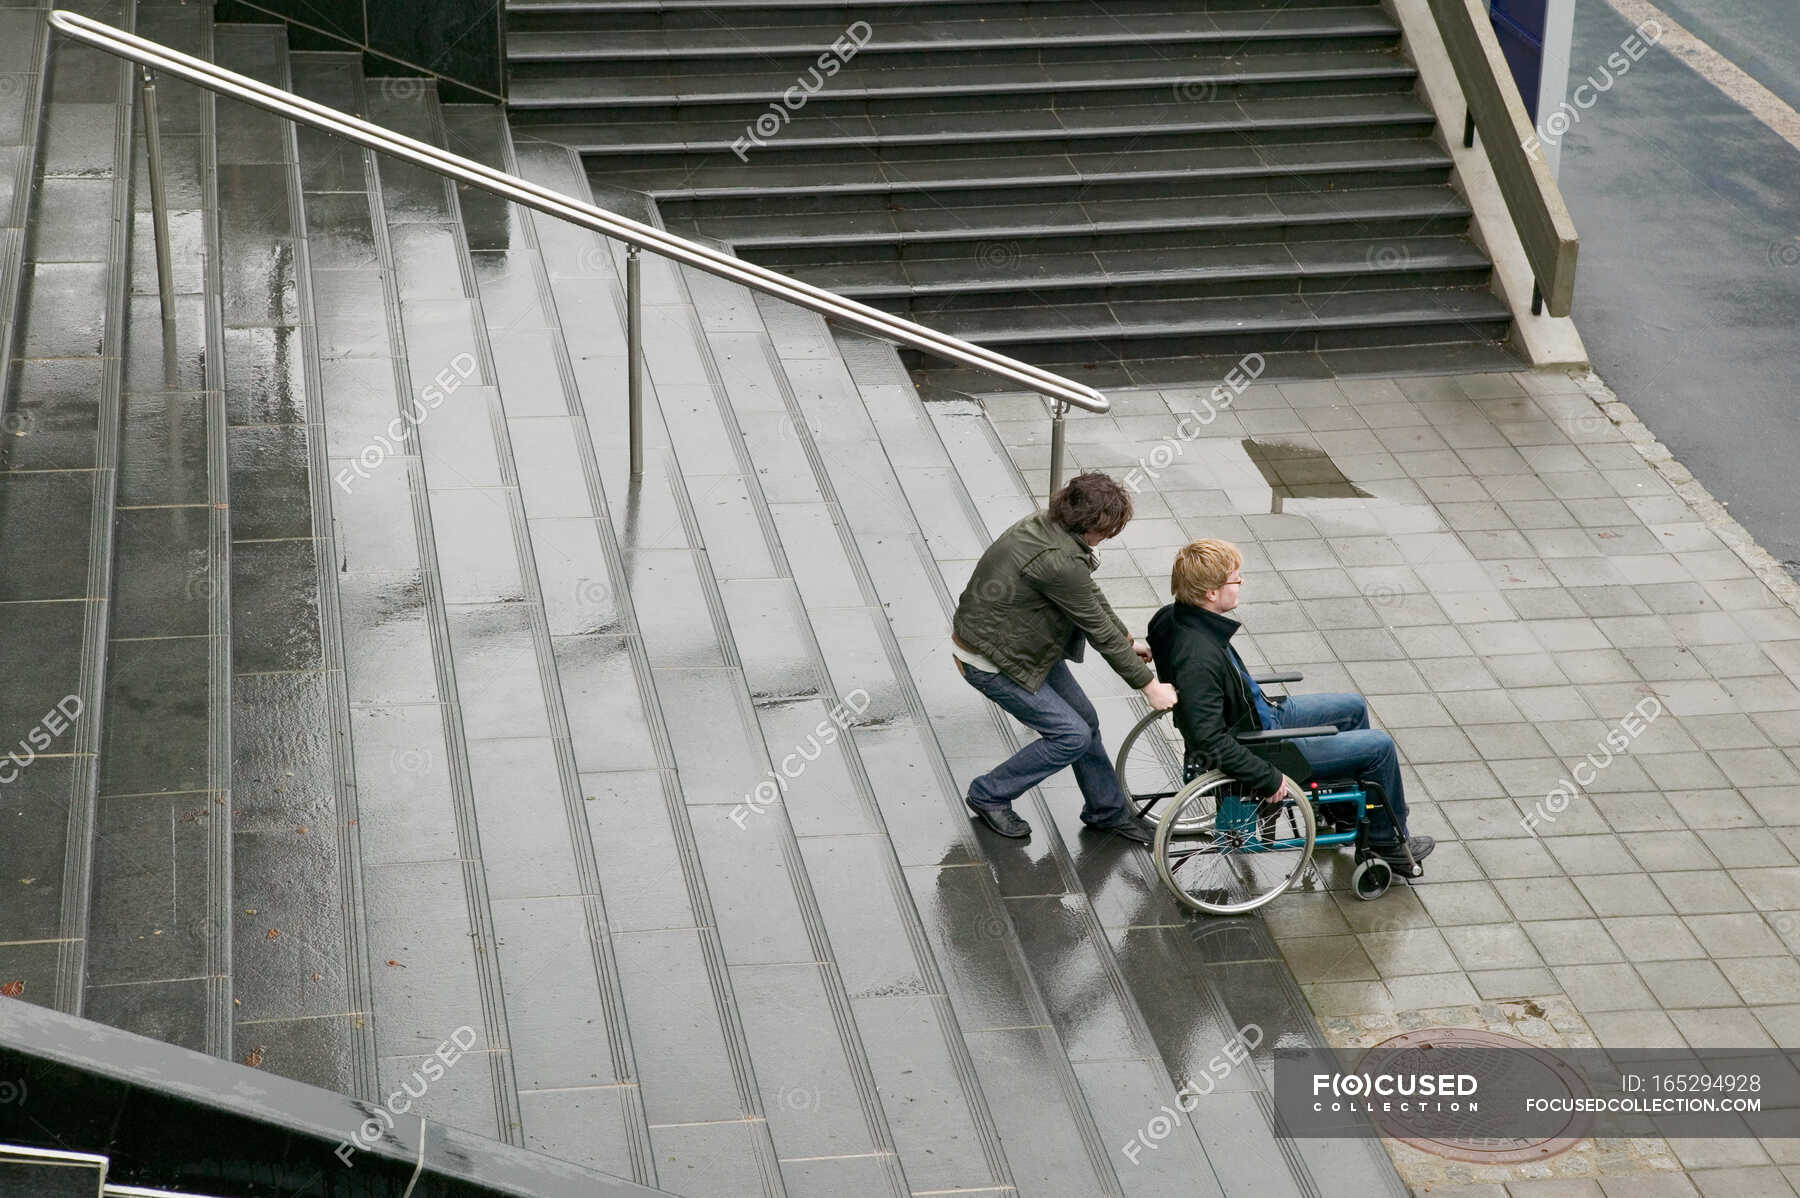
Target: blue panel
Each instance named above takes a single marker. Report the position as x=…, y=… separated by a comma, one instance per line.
x=1519, y=26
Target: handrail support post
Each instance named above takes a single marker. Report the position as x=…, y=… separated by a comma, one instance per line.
x=1056, y=446
x=634, y=356
x=1468, y=128
x=159, y=207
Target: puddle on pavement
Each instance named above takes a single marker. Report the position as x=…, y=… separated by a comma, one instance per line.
x=1299, y=472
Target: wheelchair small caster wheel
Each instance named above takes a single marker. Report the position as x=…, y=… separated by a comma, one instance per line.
x=1371, y=878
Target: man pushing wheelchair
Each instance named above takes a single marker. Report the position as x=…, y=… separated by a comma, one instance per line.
x=1031, y=603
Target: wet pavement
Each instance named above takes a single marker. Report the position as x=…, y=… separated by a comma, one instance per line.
x=1526, y=569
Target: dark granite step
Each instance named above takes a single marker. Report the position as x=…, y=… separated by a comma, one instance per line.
x=301, y=961
x=759, y=187
x=1181, y=369
x=925, y=287
x=1236, y=324
x=1043, y=39
x=578, y=15
x=993, y=132
x=924, y=88
x=23, y=45
x=1377, y=214
x=159, y=942
x=65, y=151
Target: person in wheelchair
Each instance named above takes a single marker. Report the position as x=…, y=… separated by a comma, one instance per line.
x=1219, y=701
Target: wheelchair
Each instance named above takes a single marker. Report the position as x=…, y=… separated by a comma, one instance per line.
x=1224, y=852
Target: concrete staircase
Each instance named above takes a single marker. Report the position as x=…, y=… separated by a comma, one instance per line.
x=407, y=714
x=1114, y=184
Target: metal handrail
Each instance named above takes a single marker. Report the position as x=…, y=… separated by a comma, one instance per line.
x=154, y=56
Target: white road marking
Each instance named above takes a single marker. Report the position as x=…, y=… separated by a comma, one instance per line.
x=1716, y=69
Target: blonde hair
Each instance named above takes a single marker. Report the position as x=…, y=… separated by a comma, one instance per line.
x=1203, y=566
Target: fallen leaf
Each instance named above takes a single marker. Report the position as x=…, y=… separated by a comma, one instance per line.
x=396, y=963
x=254, y=1057
x=13, y=988
x=274, y=933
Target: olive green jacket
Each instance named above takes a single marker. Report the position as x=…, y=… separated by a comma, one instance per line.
x=1032, y=601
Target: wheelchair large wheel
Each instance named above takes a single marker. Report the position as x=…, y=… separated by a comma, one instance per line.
x=1225, y=855
x=1149, y=768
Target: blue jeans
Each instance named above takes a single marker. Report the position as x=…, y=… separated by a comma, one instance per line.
x=1069, y=733
x=1357, y=751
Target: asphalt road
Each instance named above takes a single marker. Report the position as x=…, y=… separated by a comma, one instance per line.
x=1760, y=37
x=1688, y=289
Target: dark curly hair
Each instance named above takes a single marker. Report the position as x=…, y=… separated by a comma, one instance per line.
x=1092, y=502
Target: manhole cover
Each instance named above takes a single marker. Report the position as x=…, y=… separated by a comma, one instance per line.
x=1509, y=1068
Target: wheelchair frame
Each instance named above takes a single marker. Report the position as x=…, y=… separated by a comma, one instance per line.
x=1248, y=824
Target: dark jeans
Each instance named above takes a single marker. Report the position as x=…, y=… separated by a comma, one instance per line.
x=1069, y=732
x=1357, y=751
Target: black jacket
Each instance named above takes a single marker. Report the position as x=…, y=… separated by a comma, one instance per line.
x=1192, y=650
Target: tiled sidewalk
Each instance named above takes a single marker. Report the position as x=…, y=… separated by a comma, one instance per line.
x=1506, y=565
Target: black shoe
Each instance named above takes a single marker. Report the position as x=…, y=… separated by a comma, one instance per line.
x=1135, y=829
x=1419, y=848
x=1002, y=820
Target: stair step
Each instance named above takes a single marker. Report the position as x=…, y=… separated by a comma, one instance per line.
x=1044, y=38
x=779, y=189
x=1310, y=73
x=1369, y=213
x=940, y=284
x=905, y=137
x=575, y=15
x=159, y=947
x=65, y=280
x=20, y=111
x=1274, y=323
x=299, y=961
